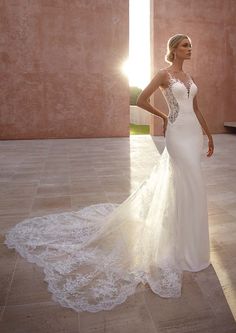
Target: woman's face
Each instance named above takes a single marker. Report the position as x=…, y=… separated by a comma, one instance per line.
x=183, y=50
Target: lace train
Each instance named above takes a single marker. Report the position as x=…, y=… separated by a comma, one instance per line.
x=93, y=259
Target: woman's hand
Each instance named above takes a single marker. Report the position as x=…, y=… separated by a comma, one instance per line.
x=210, y=147
x=165, y=123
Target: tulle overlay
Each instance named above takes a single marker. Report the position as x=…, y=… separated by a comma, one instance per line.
x=94, y=258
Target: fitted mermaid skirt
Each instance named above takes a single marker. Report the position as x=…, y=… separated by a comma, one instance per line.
x=93, y=259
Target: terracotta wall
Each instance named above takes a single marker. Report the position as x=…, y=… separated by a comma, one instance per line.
x=60, y=73
x=211, y=25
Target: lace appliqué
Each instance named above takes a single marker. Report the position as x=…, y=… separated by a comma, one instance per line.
x=187, y=85
x=93, y=259
x=172, y=102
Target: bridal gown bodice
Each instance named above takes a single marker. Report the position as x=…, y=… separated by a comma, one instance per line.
x=182, y=120
x=93, y=259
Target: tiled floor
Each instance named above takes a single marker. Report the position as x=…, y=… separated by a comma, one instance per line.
x=45, y=176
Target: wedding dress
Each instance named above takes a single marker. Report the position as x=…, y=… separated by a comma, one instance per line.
x=94, y=258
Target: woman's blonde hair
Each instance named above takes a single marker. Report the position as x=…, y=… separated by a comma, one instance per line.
x=172, y=44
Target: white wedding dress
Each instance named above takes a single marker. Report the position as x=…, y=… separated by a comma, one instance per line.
x=93, y=259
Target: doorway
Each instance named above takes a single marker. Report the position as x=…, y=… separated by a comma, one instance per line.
x=137, y=66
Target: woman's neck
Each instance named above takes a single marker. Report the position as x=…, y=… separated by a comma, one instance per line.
x=177, y=65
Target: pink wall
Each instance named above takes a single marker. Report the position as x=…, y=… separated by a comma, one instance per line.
x=211, y=25
x=60, y=71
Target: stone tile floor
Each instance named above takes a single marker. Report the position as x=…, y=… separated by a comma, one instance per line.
x=45, y=176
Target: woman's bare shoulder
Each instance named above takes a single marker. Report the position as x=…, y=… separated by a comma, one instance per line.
x=163, y=76
x=163, y=72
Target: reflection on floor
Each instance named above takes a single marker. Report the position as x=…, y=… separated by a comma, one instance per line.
x=45, y=176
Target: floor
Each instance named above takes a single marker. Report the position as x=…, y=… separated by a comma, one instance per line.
x=45, y=176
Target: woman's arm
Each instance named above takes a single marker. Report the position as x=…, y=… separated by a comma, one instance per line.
x=203, y=124
x=144, y=97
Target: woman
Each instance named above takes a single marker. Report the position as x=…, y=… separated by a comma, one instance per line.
x=94, y=259
x=184, y=144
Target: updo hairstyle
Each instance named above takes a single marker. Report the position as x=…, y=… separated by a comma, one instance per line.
x=172, y=44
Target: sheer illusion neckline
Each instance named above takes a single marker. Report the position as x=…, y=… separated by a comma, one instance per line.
x=187, y=84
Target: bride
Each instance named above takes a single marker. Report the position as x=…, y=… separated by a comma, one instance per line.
x=94, y=258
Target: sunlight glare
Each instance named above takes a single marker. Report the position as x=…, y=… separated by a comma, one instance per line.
x=137, y=67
